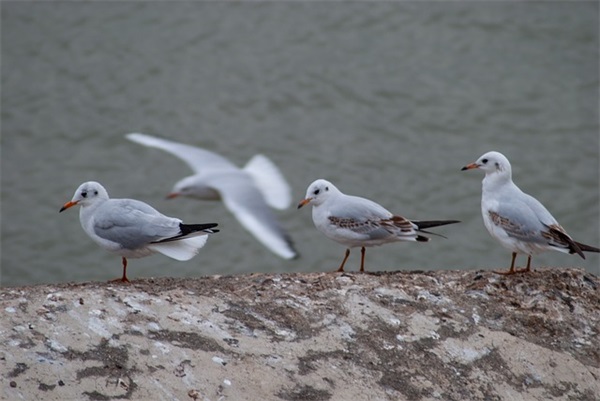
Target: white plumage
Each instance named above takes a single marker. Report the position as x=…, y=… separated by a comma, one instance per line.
x=134, y=229
x=247, y=192
x=517, y=220
x=355, y=221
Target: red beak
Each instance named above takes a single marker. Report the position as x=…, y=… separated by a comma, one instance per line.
x=67, y=205
x=303, y=202
x=470, y=166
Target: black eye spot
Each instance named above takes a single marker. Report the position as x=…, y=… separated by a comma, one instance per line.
x=326, y=188
x=317, y=191
x=497, y=165
x=84, y=194
x=484, y=161
x=95, y=192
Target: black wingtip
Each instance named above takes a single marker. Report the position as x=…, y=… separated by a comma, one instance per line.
x=434, y=223
x=586, y=248
x=192, y=228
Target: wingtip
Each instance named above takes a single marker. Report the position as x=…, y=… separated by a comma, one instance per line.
x=586, y=248
x=292, y=253
x=293, y=256
x=137, y=137
x=433, y=223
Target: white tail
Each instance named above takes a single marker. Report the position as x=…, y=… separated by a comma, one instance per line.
x=270, y=182
x=183, y=249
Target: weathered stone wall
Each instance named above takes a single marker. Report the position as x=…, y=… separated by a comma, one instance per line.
x=446, y=335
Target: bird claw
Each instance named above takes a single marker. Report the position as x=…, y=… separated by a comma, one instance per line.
x=512, y=271
x=120, y=280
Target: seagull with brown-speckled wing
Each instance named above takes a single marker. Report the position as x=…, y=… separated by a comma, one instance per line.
x=355, y=221
x=518, y=220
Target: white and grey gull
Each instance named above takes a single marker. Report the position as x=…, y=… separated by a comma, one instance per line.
x=134, y=229
x=517, y=220
x=249, y=193
x=358, y=222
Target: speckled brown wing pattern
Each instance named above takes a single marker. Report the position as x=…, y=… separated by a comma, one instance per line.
x=512, y=229
x=364, y=226
x=557, y=235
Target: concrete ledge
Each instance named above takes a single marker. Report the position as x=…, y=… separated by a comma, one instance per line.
x=446, y=335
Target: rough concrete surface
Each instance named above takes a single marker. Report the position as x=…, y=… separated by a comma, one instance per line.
x=445, y=335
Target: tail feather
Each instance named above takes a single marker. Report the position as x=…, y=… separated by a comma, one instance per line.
x=181, y=250
x=185, y=245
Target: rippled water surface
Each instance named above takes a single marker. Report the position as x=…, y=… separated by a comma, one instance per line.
x=387, y=100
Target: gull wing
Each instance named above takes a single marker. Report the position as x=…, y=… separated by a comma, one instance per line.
x=132, y=224
x=378, y=228
x=269, y=181
x=363, y=216
x=248, y=205
x=197, y=158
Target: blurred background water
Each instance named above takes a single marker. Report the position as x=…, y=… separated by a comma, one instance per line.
x=387, y=100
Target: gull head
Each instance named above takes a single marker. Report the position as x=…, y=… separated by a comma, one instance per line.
x=491, y=163
x=318, y=192
x=87, y=194
x=194, y=187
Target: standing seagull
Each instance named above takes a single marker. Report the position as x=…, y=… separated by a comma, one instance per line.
x=354, y=221
x=519, y=221
x=134, y=229
x=247, y=192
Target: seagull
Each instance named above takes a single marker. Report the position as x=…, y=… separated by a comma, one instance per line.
x=517, y=220
x=134, y=229
x=248, y=193
x=354, y=221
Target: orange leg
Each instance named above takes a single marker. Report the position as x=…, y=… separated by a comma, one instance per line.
x=528, y=268
x=512, y=266
x=362, y=259
x=341, y=268
x=512, y=269
x=123, y=279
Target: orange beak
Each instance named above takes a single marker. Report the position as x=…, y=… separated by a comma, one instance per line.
x=67, y=205
x=470, y=166
x=304, y=202
x=172, y=195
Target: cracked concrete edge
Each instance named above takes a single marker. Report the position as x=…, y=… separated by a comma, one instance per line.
x=445, y=335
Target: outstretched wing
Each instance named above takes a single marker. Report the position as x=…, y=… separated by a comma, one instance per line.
x=197, y=158
x=270, y=181
x=248, y=205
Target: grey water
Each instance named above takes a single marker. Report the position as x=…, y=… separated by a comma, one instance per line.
x=387, y=100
